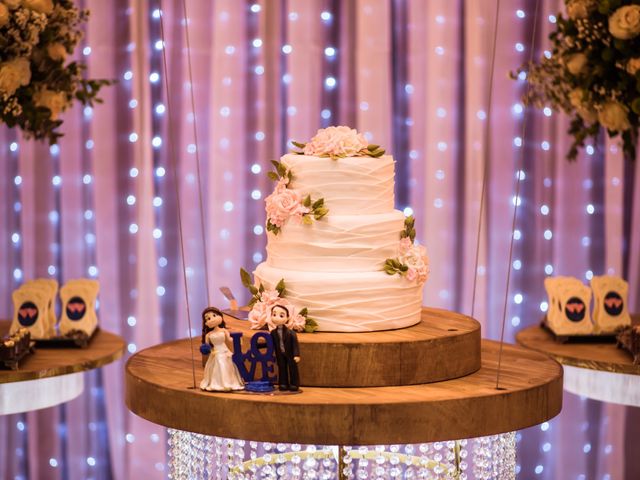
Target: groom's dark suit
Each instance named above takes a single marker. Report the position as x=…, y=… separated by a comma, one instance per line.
x=285, y=343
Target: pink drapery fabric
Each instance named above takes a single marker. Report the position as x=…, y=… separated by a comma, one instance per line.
x=260, y=75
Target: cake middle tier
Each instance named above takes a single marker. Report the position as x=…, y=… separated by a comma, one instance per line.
x=337, y=243
x=349, y=301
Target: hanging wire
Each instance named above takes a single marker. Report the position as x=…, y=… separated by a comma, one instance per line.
x=516, y=202
x=487, y=152
x=195, y=140
x=173, y=160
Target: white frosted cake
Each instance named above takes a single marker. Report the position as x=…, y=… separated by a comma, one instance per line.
x=345, y=254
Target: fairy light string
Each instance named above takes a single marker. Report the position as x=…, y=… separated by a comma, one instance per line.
x=519, y=179
x=197, y=152
x=173, y=159
x=487, y=152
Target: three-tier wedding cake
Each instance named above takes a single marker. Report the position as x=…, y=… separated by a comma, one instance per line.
x=337, y=250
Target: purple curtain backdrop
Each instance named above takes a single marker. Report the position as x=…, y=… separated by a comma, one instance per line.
x=413, y=75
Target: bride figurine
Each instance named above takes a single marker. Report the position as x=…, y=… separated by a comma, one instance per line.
x=220, y=373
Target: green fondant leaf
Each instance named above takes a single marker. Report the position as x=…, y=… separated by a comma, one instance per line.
x=280, y=288
x=311, y=326
x=245, y=277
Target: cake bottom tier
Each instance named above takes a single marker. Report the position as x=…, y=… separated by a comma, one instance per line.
x=349, y=301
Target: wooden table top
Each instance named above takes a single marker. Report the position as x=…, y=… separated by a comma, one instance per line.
x=104, y=348
x=159, y=388
x=604, y=356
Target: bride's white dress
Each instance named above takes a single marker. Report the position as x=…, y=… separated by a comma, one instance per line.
x=220, y=373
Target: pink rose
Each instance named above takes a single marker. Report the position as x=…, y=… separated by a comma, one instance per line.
x=336, y=142
x=405, y=245
x=411, y=275
x=260, y=314
x=282, y=204
x=418, y=262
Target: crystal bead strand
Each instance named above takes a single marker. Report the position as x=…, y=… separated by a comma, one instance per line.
x=218, y=446
x=239, y=457
x=410, y=468
x=394, y=465
x=209, y=457
x=268, y=472
x=423, y=452
x=281, y=463
x=347, y=464
x=253, y=454
x=482, y=458
x=201, y=459
x=363, y=463
x=463, y=454
x=171, y=434
x=329, y=467
x=506, y=456
x=185, y=457
x=378, y=469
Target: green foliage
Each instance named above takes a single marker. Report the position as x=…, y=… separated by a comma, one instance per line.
x=31, y=38
x=602, y=76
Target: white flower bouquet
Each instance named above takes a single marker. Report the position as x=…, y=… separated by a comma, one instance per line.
x=592, y=72
x=36, y=83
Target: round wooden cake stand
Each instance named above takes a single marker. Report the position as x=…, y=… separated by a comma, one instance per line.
x=159, y=388
x=51, y=376
x=600, y=371
x=443, y=346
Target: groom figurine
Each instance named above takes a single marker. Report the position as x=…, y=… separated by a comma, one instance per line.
x=285, y=343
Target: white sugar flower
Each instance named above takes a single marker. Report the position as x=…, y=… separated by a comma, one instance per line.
x=12, y=4
x=633, y=65
x=14, y=74
x=613, y=116
x=577, y=63
x=57, y=51
x=54, y=101
x=625, y=22
x=577, y=100
x=4, y=15
x=577, y=9
x=40, y=6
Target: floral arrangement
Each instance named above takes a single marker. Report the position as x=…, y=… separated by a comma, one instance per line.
x=593, y=71
x=338, y=142
x=263, y=300
x=35, y=84
x=412, y=261
x=285, y=203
